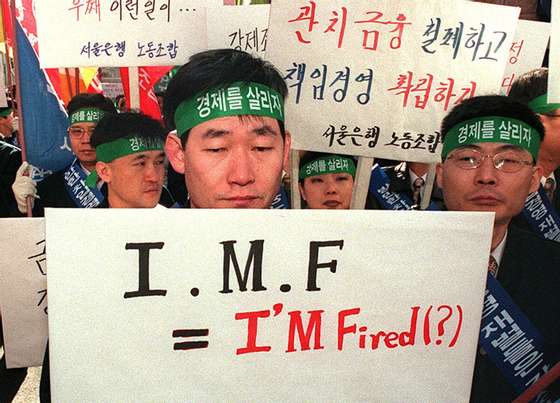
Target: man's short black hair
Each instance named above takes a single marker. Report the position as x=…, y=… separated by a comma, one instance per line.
x=86, y=100
x=530, y=85
x=491, y=105
x=115, y=126
x=217, y=69
x=309, y=156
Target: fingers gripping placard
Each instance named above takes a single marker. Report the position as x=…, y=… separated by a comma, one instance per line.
x=306, y=298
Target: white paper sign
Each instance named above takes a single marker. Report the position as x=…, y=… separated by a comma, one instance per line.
x=116, y=33
x=375, y=79
x=3, y=101
x=239, y=27
x=335, y=302
x=526, y=52
x=23, y=290
x=554, y=56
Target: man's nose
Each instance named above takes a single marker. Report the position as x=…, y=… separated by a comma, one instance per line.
x=241, y=168
x=486, y=173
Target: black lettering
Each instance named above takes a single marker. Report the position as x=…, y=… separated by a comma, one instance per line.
x=144, y=269
x=314, y=265
x=254, y=259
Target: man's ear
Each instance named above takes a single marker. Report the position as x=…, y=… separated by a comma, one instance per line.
x=536, y=178
x=175, y=153
x=287, y=146
x=302, y=191
x=103, y=170
x=439, y=173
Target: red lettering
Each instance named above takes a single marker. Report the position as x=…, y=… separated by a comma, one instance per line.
x=342, y=329
x=252, y=325
x=304, y=337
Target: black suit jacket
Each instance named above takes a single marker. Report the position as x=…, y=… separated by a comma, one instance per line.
x=10, y=161
x=530, y=273
x=399, y=182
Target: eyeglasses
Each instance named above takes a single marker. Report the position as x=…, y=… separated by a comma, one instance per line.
x=78, y=132
x=507, y=161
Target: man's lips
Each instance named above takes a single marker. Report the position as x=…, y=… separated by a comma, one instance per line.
x=331, y=203
x=241, y=200
x=485, y=199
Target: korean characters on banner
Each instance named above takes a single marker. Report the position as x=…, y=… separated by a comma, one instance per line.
x=23, y=290
x=526, y=52
x=120, y=32
x=554, y=58
x=375, y=79
x=243, y=28
x=270, y=308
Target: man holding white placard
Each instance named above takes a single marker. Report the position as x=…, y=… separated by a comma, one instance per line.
x=231, y=145
x=489, y=153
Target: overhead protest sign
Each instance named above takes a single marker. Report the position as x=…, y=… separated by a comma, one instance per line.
x=241, y=311
x=242, y=28
x=376, y=79
x=119, y=33
x=23, y=291
x=526, y=52
x=554, y=57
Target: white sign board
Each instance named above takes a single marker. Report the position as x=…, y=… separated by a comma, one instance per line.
x=3, y=101
x=239, y=27
x=116, y=33
x=375, y=79
x=526, y=52
x=554, y=56
x=333, y=301
x=23, y=290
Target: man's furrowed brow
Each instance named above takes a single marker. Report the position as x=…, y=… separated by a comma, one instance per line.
x=213, y=133
x=265, y=130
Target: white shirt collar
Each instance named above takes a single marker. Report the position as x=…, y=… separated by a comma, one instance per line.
x=413, y=177
x=498, y=251
x=544, y=178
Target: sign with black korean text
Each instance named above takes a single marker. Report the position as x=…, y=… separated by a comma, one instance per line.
x=554, y=57
x=376, y=78
x=23, y=290
x=271, y=305
x=119, y=32
x=239, y=27
x=526, y=52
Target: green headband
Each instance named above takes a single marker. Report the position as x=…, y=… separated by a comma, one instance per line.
x=86, y=115
x=329, y=164
x=492, y=129
x=238, y=98
x=5, y=112
x=540, y=104
x=122, y=147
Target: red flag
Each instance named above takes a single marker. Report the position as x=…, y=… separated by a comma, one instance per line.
x=147, y=78
x=7, y=21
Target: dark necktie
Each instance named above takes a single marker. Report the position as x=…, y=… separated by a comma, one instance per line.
x=549, y=187
x=492, y=266
x=416, y=190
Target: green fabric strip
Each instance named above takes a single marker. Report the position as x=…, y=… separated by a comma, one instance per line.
x=492, y=129
x=239, y=98
x=5, y=112
x=541, y=105
x=329, y=164
x=86, y=115
x=122, y=147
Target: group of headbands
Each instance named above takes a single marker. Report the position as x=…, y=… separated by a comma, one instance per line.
x=249, y=98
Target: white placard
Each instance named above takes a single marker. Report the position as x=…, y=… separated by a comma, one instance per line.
x=239, y=27
x=3, y=101
x=406, y=273
x=376, y=79
x=554, y=56
x=526, y=52
x=116, y=33
x=23, y=290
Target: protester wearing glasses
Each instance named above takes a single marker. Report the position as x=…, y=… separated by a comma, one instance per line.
x=67, y=188
x=490, y=149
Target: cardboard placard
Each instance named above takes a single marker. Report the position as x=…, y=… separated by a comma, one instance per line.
x=242, y=28
x=526, y=52
x=554, y=56
x=23, y=290
x=212, y=305
x=116, y=33
x=376, y=79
